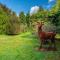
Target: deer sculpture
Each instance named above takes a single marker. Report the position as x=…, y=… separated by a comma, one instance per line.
x=46, y=36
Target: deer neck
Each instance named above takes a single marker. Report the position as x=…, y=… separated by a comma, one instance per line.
x=40, y=29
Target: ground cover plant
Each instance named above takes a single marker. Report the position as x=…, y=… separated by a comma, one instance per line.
x=22, y=47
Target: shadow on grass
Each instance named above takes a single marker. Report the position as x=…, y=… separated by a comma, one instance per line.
x=58, y=39
x=31, y=36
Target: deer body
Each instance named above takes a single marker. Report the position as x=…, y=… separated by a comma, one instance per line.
x=47, y=35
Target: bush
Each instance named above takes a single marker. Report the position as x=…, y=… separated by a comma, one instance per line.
x=13, y=26
x=49, y=27
x=58, y=29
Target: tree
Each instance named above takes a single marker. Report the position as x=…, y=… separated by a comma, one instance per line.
x=5, y=9
x=54, y=15
x=3, y=19
x=28, y=21
x=41, y=15
x=22, y=18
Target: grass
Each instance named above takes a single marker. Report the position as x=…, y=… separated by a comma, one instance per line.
x=22, y=47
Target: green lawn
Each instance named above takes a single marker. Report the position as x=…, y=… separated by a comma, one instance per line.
x=22, y=47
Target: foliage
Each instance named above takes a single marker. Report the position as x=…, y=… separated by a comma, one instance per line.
x=22, y=18
x=13, y=26
x=49, y=27
x=9, y=22
x=3, y=19
x=27, y=22
x=54, y=15
x=23, y=24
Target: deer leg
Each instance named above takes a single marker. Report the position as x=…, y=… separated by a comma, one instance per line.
x=40, y=41
x=41, y=45
x=50, y=45
x=53, y=43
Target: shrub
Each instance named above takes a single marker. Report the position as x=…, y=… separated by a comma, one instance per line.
x=13, y=26
x=49, y=27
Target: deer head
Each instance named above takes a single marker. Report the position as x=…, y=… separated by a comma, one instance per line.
x=40, y=24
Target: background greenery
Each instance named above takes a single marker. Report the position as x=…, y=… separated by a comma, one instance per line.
x=10, y=23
